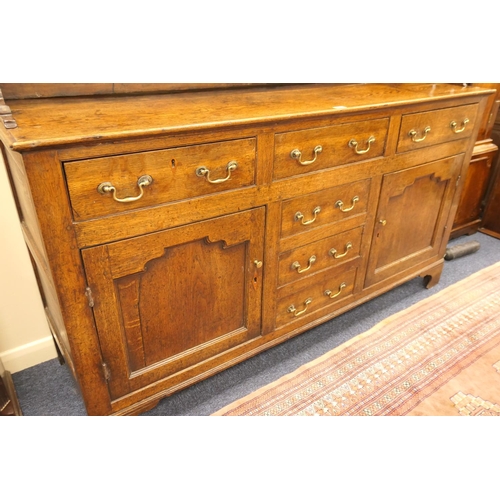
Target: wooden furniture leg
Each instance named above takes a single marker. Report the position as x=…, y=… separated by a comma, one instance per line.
x=431, y=276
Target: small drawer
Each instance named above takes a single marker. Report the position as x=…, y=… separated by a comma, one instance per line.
x=328, y=290
x=324, y=207
x=105, y=186
x=305, y=151
x=319, y=255
x=419, y=130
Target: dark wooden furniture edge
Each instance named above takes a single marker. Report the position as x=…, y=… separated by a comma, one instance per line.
x=493, y=193
x=8, y=397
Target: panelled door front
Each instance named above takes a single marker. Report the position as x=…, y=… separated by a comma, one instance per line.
x=413, y=207
x=166, y=301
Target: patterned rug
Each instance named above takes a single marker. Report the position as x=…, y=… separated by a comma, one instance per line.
x=441, y=356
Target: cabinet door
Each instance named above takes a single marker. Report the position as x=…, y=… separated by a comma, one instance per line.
x=166, y=301
x=413, y=208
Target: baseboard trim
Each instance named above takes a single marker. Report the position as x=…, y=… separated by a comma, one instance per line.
x=28, y=355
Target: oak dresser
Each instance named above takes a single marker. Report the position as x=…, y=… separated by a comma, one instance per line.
x=178, y=232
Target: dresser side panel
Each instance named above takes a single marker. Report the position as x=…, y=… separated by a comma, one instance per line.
x=48, y=190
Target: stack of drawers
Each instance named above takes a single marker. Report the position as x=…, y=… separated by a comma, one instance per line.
x=320, y=249
x=321, y=232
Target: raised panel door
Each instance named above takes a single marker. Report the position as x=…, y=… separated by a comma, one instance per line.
x=166, y=301
x=413, y=208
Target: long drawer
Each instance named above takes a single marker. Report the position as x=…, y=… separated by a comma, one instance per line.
x=104, y=186
x=313, y=149
x=419, y=130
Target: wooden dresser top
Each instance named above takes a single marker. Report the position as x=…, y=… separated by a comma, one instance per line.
x=59, y=121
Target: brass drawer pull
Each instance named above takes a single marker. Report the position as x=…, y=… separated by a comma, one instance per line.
x=297, y=266
x=296, y=154
x=107, y=187
x=413, y=134
x=354, y=144
x=300, y=216
x=205, y=172
x=340, y=204
x=334, y=254
x=292, y=309
x=453, y=126
x=333, y=295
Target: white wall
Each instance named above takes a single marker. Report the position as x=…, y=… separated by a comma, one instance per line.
x=25, y=338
